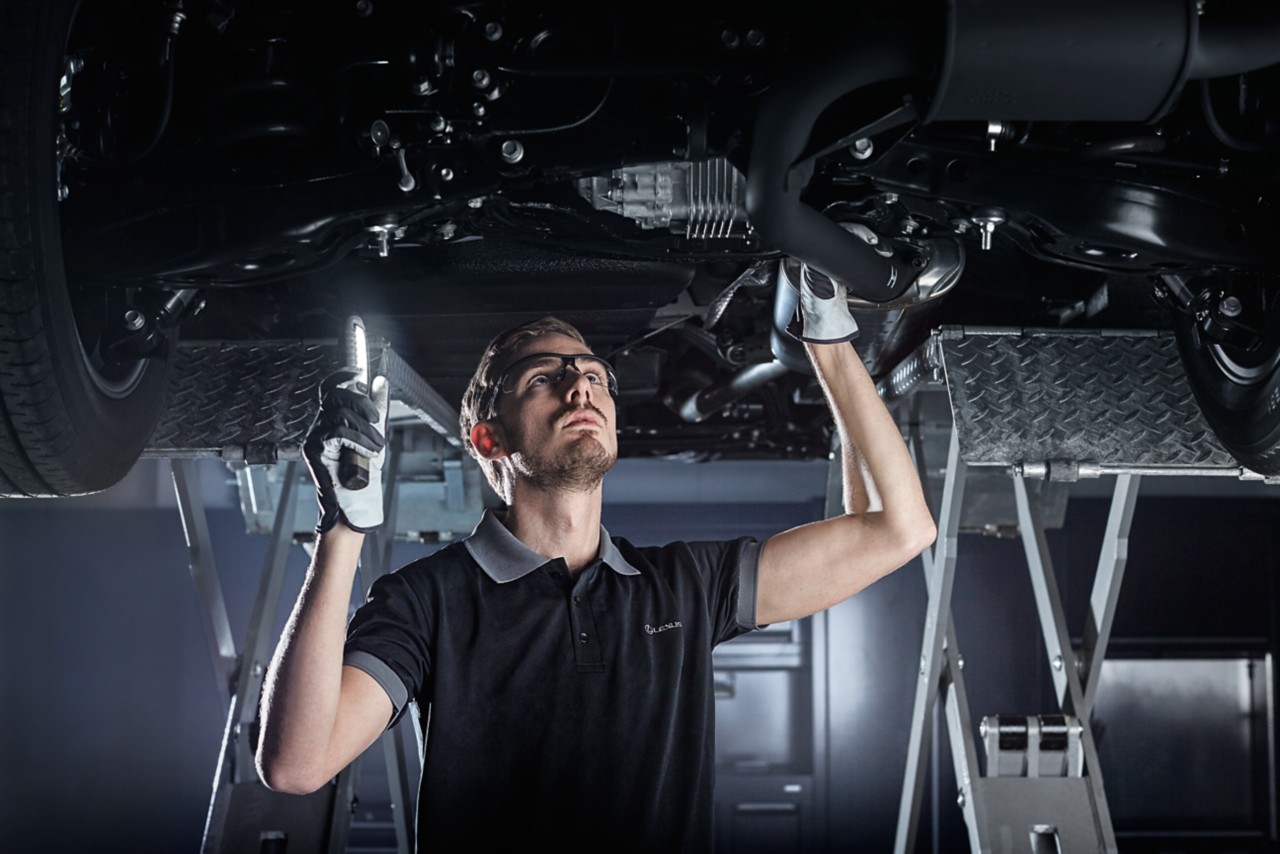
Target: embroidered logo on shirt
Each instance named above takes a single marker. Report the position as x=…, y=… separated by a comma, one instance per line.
x=653, y=630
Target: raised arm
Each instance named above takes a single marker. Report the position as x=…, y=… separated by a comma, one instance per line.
x=317, y=714
x=814, y=566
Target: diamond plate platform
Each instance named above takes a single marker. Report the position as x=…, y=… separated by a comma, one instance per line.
x=252, y=401
x=1071, y=404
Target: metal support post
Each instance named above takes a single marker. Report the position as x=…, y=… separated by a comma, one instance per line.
x=1061, y=656
x=1106, y=587
x=937, y=621
x=253, y=661
x=204, y=572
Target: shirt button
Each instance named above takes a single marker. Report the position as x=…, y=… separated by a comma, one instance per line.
x=577, y=600
x=582, y=638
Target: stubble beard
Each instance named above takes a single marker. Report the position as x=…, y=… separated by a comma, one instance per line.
x=578, y=467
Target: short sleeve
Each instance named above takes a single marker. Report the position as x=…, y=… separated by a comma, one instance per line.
x=728, y=571
x=388, y=639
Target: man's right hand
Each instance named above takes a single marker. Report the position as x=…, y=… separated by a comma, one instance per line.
x=348, y=419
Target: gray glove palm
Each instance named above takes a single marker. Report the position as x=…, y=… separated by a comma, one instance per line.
x=824, y=301
x=348, y=419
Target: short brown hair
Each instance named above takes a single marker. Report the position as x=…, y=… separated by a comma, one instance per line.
x=479, y=401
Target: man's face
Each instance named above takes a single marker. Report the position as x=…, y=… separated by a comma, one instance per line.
x=561, y=435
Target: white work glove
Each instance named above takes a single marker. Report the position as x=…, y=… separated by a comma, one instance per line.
x=824, y=301
x=348, y=419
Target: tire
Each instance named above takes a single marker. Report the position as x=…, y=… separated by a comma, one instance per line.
x=67, y=426
x=1238, y=392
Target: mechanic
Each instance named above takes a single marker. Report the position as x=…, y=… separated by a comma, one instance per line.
x=567, y=673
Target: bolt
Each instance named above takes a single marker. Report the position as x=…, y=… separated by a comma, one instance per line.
x=960, y=662
x=133, y=320
x=1057, y=662
x=257, y=669
x=729, y=39
x=889, y=198
x=447, y=231
x=862, y=148
x=1230, y=307
x=493, y=31
x=960, y=799
x=423, y=87
x=478, y=109
x=364, y=8
x=475, y=203
x=512, y=151
x=1199, y=7
x=755, y=38
x=480, y=78
x=438, y=124
x=446, y=174
x=984, y=728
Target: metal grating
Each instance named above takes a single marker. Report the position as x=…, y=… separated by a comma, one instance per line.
x=1095, y=397
x=253, y=401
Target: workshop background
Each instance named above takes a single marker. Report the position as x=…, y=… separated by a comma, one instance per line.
x=112, y=718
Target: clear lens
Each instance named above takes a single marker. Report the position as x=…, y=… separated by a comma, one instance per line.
x=551, y=368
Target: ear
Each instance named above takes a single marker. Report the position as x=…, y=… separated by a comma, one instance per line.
x=486, y=441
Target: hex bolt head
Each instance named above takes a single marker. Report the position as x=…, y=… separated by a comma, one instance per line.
x=1230, y=307
x=133, y=320
x=1057, y=662
x=480, y=78
x=862, y=148
x=512, y=151
x=984, y=728
x=493, y=31
x=446, y=174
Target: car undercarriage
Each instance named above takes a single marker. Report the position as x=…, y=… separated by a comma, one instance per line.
x=659, y=176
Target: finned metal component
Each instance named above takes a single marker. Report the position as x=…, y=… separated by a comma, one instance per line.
x=512, y=151
x=862, y=148
x=705, y=200
x=987, y=219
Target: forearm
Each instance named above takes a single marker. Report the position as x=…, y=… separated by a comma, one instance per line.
x=303, y=683
x=867, y=432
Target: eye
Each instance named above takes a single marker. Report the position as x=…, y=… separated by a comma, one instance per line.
x=538, y=379
x=594, y=378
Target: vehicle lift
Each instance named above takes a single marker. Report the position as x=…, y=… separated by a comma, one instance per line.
x=1052, y=405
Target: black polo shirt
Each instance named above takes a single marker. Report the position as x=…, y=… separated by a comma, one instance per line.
x=558, y=709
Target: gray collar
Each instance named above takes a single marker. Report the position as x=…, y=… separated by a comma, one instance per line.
x=504, y=558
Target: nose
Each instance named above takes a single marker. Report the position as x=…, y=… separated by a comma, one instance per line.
x=577, y=382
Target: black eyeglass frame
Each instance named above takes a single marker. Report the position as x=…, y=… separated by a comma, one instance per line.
x=498, y=388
